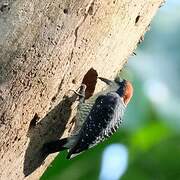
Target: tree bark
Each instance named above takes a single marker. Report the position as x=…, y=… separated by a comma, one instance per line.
x=46, y=48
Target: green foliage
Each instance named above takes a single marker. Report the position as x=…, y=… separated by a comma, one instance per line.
x=160, y=162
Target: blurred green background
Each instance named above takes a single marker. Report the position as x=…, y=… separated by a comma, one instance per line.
x=147, y=146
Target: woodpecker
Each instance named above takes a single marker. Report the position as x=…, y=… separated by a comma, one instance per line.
x=97, y=118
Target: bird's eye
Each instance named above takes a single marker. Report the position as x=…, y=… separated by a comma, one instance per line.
x=121, y=80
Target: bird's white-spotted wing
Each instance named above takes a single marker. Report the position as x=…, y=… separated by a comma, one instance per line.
x=102, y=121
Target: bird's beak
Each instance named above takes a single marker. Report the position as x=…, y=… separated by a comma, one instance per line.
x=107, y=81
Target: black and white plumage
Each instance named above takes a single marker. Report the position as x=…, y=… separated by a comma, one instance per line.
x=97, y=118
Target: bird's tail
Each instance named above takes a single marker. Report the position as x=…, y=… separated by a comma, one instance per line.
x=55, y=146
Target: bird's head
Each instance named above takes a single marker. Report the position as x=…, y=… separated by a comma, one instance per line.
x=123, y=87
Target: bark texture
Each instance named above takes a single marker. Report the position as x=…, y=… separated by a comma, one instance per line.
x=46, y=48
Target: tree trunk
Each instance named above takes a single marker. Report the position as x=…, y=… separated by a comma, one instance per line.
x=46, y=48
